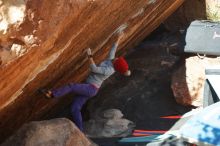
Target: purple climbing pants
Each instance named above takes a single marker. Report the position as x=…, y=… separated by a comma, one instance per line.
x=83, y=93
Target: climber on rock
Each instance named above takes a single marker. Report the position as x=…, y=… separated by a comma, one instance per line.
x=86, y=90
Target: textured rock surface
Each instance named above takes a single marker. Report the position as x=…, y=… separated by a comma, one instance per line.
x=109, y=123
x=56, y=132
x=50, y=38
x=188, y=80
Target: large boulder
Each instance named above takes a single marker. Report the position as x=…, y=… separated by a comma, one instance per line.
x=43, y=42
x=56, y=132
x=188, y=80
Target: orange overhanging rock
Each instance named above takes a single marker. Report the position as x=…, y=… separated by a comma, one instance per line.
x=46, y=41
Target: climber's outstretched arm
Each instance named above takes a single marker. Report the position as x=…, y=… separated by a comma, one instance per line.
x=115, y=46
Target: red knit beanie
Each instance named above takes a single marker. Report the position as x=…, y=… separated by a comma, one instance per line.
x=120, y=65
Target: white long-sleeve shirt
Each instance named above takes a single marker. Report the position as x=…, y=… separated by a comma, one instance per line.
x=104, y=70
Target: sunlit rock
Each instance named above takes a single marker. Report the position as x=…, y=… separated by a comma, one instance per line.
x=188, y=81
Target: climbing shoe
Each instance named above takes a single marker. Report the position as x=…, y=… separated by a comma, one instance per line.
x=47, y=93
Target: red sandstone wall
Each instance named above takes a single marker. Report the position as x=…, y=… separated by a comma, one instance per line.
x=55, y=34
